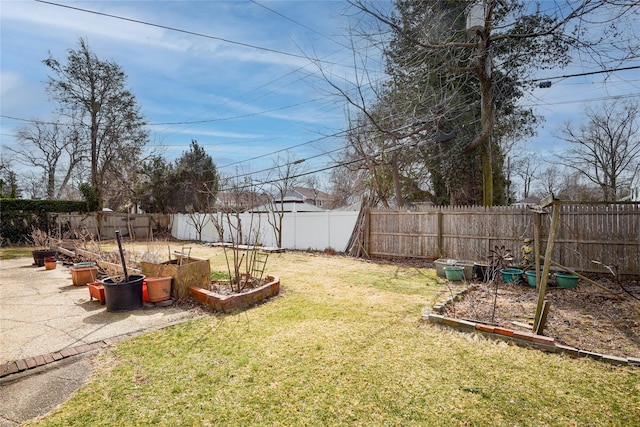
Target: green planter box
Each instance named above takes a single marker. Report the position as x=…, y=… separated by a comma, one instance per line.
x=454, y=273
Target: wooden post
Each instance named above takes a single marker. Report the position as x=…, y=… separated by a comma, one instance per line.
x=536, y=243
x=539, y=327
x=366, y=236
x=542, y=290
x=586, y=279
x=440, y=233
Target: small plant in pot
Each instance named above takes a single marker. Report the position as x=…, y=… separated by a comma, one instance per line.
x=42, y=244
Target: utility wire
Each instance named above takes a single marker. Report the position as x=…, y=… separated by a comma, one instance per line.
x=198, y=35
x=589, y=73
x=244, y=116
x=179, y=30
x=297, y=23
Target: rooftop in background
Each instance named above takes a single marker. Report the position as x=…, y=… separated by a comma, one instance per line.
x=528, y=201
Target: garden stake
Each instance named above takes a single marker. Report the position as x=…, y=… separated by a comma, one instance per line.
x=124, y=265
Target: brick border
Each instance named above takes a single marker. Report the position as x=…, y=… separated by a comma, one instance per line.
x=521, y=338
x=226, y=303
x=15, y=366
x=21, y=365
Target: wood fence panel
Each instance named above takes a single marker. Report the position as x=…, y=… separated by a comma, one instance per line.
x=608, y=234
x=102, y=225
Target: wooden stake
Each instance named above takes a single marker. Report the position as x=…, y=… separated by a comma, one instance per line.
x=542, y=290
x=536, y=244
x=586, y=279
x=539, y=327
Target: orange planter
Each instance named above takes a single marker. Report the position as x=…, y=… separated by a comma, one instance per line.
x=158, y=288
x=96, y=290
x=50, y=263
x=83, y=275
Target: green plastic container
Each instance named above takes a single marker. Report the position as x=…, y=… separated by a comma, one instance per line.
x=512, y=275
x=531, y=278
x=454, y=273
x=566, y=280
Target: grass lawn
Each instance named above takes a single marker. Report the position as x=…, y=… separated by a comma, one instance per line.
x=342, y=345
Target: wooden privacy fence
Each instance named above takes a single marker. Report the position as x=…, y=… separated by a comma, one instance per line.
x=589, y=236
x=102, y=225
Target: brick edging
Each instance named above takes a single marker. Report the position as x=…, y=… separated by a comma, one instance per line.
x=527, y=339
x=20, y=365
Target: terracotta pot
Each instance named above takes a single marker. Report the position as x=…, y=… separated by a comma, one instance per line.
x=50, y=263
x=158, y=288
x=83, y=275
x=96, y=290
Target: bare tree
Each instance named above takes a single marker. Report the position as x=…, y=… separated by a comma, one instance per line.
x=605, y=150
x=242, y=253
x=287, y=172
x=51, y=147
x=526, y=168
x=551, y=181
x=348, y=183
x=198, y=219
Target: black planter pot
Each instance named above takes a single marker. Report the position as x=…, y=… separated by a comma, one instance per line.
x=484, y=272
x=123, y=296
x=40, y=254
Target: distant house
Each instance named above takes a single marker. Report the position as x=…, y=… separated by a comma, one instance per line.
x=297, y=199
x=528, y=201
x=240, y=201
x=308, y=195
x=287, y=206
x=634, y=191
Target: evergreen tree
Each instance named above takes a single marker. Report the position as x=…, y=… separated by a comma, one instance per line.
x=92, y=93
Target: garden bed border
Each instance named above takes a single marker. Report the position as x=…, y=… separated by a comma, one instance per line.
x=521, y=338
x=225, y=303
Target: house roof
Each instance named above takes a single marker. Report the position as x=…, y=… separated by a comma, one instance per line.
x=306, y=193
x=531, y=200
x=288, y=206
x=245, y=199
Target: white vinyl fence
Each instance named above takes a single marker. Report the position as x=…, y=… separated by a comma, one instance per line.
x=300, y=230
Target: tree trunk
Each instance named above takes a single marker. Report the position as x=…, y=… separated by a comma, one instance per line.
x=395, y=174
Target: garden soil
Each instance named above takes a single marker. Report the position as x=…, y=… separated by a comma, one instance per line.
x=587, y=317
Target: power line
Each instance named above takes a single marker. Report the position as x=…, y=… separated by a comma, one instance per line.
x=589, y=73
x=604, y=98
x=244, y=116
x=296, y=22
x=198, y=35
x=179, y=30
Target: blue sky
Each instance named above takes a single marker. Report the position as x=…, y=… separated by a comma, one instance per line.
x=253, y=101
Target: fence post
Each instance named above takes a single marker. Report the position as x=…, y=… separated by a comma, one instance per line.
x=366, y=238
x=542, y=289
x=440, y=233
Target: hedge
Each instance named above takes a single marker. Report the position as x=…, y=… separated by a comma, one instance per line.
x=18, y=217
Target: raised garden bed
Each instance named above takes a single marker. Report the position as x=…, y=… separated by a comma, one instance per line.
x=235, y=301
x=587, y=318
x=186, y=272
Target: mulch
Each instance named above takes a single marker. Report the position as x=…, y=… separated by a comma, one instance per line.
x=587, y=317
